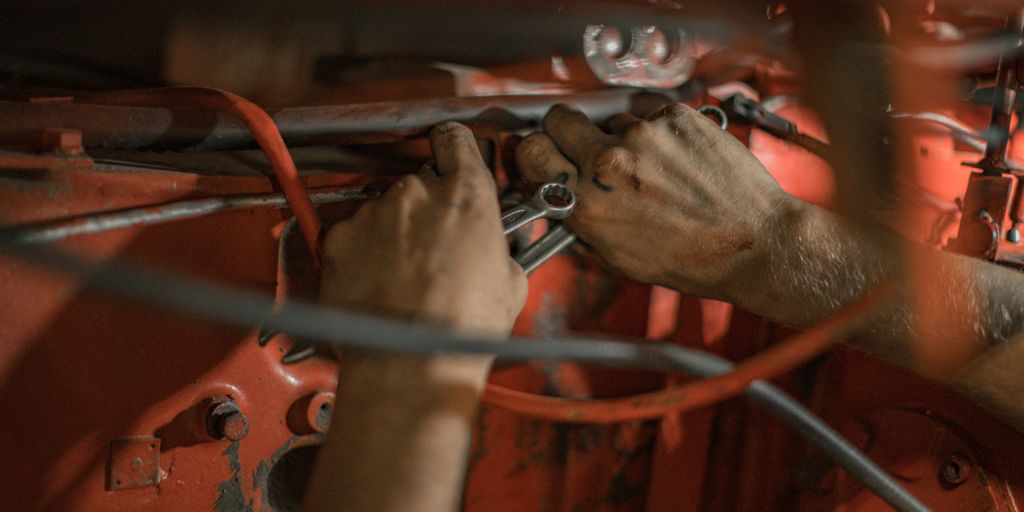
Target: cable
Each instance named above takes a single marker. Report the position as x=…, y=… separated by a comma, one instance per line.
x=259, y=123
x=343, y=328
x=781, y=358
x=93, y=223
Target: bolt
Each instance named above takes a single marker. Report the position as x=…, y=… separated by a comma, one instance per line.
x=955, y=470
x=226, y=422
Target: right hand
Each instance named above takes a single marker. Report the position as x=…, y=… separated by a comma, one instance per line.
x=673, y=200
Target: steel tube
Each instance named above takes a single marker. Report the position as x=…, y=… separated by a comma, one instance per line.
x=54, y=231
x=155, y=128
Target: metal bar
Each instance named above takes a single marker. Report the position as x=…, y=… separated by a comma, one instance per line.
x=53, y=231
x=121, y=127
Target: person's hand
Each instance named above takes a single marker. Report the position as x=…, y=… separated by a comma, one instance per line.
x=672, y=200
x=431, y=249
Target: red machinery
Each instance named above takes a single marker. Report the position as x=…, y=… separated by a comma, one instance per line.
x=112, y=404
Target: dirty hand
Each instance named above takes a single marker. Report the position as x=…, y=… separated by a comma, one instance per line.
x=673, y=200
x=431, y=249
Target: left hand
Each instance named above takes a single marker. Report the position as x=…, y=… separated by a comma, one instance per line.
x=431, y=249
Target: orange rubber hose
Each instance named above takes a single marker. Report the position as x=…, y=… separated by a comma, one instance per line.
x=260, y=124
x=781, y=358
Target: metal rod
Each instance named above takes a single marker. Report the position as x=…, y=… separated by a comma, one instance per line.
x=121, y=127
x=53, y=231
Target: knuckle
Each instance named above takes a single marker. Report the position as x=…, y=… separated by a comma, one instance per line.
x=678, y=110
x=639, y=131
x=612, y=159
x=406, y=190
x=530, y=146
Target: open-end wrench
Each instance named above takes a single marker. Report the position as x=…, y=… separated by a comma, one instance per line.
x=538, y=207
x=558, y=237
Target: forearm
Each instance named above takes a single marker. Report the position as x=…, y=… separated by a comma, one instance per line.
x=400, y=435
x=960, y=308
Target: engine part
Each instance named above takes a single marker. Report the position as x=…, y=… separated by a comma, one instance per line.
x=316, y=323
x=641, y=57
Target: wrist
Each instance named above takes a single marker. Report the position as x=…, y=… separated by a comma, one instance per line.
x=771, y=273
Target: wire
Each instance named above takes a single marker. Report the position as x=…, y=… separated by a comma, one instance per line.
x=93, y=223
x=259, y=123
x=768, y=364
x=343, y=328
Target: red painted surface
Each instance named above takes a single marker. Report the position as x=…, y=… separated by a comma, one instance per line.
x=79, y=370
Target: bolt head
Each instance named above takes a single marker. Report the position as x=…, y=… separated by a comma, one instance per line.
x=225, y=421
x=955, y=470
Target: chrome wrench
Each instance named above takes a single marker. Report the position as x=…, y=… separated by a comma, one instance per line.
x=552, y=201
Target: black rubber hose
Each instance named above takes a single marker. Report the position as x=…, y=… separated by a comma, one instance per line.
x=348, y=329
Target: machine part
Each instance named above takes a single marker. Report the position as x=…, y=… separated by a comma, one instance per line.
x=134, y=463
x=260, y=125
x=984, y=208
x=553, y=201
x=960, y=130
x=225, y=421
x=54, y=231
x=1003, y=103
x=312, y=413
x=1016, y=212
x=191, y=129
x=646, y=57
x=311, y=321
x=752, y=112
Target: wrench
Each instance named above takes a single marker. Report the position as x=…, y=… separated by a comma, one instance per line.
x=539, y=207
x=558, y=236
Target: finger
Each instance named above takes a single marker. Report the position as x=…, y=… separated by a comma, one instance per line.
x=539, y=161
x=574, y=134
x=457, y=154
x=428, y=173
x=619, y=123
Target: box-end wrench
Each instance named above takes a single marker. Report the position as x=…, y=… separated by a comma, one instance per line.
x=540, y=206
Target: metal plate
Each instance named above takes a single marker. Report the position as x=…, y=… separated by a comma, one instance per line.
x=134, y=463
